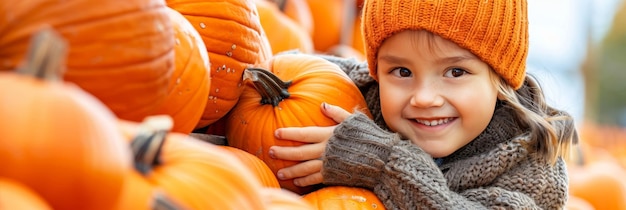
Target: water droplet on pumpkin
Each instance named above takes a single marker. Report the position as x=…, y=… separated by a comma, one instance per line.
x=216, y=111
x=374, y=206
x=359, y=198
x=229, y=54
x=233, y=47
x=217, y=90
x=178, y=81
x=202, y=25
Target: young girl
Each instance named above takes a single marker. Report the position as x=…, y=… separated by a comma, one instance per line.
x=457, y=122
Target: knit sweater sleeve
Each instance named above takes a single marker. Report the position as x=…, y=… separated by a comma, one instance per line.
x=401, y=174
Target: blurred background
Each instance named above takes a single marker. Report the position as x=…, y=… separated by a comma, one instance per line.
x=578, y=51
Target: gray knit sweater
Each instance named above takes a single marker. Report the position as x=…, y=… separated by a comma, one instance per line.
x=497, y=170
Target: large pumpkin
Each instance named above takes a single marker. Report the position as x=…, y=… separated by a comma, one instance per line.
x=192, y=173
x=343, y=197
x=56, y=138
x=15, y=195
x=234, y=38
x=120, y=52
x=190, y=82
x=288, y=95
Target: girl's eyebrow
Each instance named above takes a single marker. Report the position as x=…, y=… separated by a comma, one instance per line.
x=456, y=58
x=393, y=59
x=443, y=60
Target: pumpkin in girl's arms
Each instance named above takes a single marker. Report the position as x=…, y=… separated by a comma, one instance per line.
x=289, y=93
x=120, y=52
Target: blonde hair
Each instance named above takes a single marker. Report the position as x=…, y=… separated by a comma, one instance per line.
x=553, y=130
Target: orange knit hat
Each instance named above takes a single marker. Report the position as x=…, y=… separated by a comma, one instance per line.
x=494, y=30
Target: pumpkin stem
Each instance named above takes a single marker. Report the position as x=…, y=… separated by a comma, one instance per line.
x=46, y=56
x=147, y=144
x=162, y=202
x=281, y=4
x=272, y=89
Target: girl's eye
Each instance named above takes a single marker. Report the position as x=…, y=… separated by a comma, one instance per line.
x=455, y=72
x=401, y=72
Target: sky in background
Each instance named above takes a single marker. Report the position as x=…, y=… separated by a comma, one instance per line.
x=558, y=34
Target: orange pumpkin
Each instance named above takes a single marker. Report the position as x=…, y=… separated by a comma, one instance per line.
x=600, y=183
x=288, y=95
x=279, y=199
x=15, y=195
x=234, y=38
x=332, y=19
x=258, y=167
x=190, y=82
x=196, y=174
x=282, y=32
x=56, y=138
x=297, y=10
x=343, y=197
x=122, y=53
x=138, y=193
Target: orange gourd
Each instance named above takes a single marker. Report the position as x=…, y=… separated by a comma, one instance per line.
x=193, y=173
x=332, y=19
x=280, y=199
x=282, y=32
x=343, y=197
x=600, y=183
x=120, y=52
x=288, y=94
x=234, y=39
x=190, y=81
x=15, y=195
x=57, y=139
x=138, y=193
x=299, y=11
x=256, y=165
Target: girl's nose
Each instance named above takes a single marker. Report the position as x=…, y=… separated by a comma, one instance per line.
x=426, y=97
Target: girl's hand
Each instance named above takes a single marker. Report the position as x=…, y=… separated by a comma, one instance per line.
x=308, y=172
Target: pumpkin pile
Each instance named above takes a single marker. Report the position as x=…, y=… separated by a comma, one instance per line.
x=168, y=104
x=597, y=168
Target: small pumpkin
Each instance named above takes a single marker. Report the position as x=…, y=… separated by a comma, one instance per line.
x=57, y=139
x=122, y=53
x=190, y=81
x=15, y=195
x=256, y=165
x=282, y=32
x=234, y=38
x=297, y=10
x=332, y=22
x=288, y=94
x=193, y=173
x=280, y=199
x=343, y=197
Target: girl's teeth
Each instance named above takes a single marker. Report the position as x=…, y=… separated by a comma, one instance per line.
x=433, y=122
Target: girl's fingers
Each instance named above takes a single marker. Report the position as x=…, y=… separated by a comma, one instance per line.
x=298, y=153
x=300, y=170
x=336, y=113
x=312, y=179
x=312, y=134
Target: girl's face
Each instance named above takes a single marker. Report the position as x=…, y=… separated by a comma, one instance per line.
x=433, y=92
